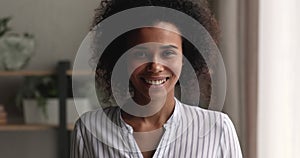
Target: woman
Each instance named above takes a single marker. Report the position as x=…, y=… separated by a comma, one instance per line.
x=149, y=121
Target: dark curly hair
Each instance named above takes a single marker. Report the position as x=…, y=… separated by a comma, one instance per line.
x=198, y=11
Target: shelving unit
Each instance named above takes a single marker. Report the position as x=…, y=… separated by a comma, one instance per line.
x=26, y=73
x=24, y=127
x=31, y=127
x=63, y=134
x=64, y=130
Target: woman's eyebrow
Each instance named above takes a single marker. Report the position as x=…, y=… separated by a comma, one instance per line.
x=169, y=46
x=140, y=47
x=161, y=47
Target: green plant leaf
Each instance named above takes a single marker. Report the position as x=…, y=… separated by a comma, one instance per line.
x=3, y=25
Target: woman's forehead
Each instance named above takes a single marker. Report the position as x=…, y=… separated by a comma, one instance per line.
x=160, y=33
x=166, y=26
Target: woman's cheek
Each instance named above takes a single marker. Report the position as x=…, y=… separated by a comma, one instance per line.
x=176, y=68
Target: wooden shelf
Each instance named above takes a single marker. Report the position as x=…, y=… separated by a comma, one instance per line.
x=26, y=73
x=79, y=72
x=42, y=73
x=25, y=127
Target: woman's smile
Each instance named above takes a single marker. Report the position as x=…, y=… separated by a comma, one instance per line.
x=154, y=61
x=155, y=82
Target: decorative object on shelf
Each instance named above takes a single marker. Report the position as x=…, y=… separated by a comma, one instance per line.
x=15, y=49
x=33, y=114
x=39, y=97
x=3, y=115
x=38, y=88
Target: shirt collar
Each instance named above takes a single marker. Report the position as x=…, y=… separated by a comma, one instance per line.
x=173, y=120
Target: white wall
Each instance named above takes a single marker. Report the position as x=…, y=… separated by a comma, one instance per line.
x=279, y=79
x=58, y=25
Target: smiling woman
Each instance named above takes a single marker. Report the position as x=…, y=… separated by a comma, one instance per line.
x=151, y=122
x=155, y=62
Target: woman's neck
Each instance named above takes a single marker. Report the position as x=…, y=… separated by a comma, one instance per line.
x=141, y=124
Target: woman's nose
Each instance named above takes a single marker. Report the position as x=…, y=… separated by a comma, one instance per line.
x=155, y=67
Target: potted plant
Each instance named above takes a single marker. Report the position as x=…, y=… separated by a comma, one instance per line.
x=38, y=88
x=34, y=95
x=39, y=97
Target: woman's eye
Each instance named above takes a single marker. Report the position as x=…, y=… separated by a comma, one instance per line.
x=140, y=54
x=168, y=53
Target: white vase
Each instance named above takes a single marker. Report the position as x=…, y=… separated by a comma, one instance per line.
x=15, y=51
x=34, y=114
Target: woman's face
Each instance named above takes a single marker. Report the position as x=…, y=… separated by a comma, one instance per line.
x=154, y=60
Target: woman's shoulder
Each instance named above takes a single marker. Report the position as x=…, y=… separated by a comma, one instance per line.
x=98, y=114
x=205, y=117
x=99, y=111
x=201, y=111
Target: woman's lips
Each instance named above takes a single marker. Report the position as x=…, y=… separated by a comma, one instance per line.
x=155, y=81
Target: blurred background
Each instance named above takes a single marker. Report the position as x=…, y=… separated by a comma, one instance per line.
x=260, y=45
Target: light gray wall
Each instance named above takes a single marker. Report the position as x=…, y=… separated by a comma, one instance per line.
x=59, y=27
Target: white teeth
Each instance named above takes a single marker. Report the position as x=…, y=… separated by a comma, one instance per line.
x=155, y=82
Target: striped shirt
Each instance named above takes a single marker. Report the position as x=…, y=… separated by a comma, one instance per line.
x=190, y=132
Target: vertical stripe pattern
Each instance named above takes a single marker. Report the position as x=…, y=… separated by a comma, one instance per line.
x=189, y=132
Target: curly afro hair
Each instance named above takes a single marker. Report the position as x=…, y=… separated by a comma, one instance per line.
x=198, y=11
